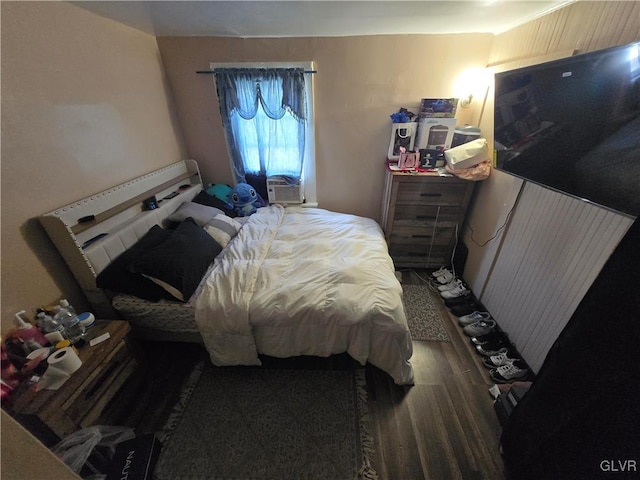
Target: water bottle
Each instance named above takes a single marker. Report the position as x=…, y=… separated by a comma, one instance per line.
x=48, y=324
x=65, y=304
x=73, y=329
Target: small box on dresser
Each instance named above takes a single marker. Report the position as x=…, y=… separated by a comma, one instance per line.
x=421, y=215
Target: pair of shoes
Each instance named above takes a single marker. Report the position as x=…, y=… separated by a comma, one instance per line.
x=473, y=318
x=481, y=327
x=441, y=271
x=467, y=308
x=448, y=286
x=494, y=348
x=456, y=291
x=509, y=372
x=508, y=355
x=465, y=298
x=494, y=336
x=443, y=276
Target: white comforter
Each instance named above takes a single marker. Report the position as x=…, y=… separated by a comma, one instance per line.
x=304, y=281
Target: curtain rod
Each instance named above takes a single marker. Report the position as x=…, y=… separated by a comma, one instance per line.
x=211, y=72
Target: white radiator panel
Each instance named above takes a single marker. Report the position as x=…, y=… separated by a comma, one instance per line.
x=553, y=250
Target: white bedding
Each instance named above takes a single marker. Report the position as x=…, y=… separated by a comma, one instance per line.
x=304, y=281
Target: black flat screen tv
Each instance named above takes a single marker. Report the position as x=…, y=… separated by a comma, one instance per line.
x=573, y=125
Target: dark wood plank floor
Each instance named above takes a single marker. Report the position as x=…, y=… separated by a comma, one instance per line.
x=443, y=427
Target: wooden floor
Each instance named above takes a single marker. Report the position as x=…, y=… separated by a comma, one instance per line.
x=443, y=427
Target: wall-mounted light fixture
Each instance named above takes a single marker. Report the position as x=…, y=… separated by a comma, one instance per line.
x=471, y=85
x=465, y=102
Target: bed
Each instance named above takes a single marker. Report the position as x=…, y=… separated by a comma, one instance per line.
x=283, y=282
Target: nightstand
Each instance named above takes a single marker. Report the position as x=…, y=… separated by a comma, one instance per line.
x=79, y=402
x=422, y=214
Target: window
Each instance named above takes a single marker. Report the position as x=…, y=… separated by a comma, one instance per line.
x=267, y=113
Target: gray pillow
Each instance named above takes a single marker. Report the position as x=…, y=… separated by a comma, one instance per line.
x=222, y=229
x=201, y=214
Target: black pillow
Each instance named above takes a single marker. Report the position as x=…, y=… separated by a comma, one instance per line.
x=181, y=260
x=118, y=278
x=203, y=198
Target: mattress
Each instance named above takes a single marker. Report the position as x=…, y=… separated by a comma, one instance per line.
x=164, y=315
x=305, y=281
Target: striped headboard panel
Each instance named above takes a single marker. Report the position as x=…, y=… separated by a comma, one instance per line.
x=553, y=250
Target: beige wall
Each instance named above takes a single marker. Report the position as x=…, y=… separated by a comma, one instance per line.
x=583, y=27
x=360, y=82
x=85, y=106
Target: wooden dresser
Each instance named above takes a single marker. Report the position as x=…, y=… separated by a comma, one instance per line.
x=420, y=215
x=83, y=397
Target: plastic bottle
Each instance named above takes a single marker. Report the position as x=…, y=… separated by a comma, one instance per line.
x=48, y=324
x=73, y=330
x=29, y=334
x=66, y=305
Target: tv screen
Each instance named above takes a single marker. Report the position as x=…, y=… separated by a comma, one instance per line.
x=574, y=125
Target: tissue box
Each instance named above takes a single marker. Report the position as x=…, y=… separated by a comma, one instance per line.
x=468, y=154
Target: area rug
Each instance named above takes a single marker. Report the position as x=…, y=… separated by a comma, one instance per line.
x=268, y=424
x=423, y=316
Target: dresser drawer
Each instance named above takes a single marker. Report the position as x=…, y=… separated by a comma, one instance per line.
x=427, y=214
x=419, y=255
x=427, y=193
x=422, y=235
x=88, y=401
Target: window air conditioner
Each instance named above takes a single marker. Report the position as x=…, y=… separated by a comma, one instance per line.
x=281, y=192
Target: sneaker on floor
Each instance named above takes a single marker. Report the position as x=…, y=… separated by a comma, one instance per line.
x=509, y=372
x=493, y=348
x=466, y=308
x=495, y=361
x=473, y=318
x=465, y=298
x=457, y=291
x=494, y=336
x=441, y=271
x=445, y=278
x=481, y=327
x=451, y=285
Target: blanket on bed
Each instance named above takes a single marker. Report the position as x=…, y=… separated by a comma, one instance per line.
x=304, y=281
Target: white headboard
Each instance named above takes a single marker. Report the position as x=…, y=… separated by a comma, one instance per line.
x=114, y=220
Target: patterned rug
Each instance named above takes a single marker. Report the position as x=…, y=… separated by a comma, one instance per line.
x=268, y=424
x=423, y=316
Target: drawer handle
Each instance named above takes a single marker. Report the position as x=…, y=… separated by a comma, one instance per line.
x=430, y=194
x=415, y=254
x=421, y=236
x=426, y=217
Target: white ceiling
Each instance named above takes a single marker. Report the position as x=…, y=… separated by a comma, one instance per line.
x=268, y=18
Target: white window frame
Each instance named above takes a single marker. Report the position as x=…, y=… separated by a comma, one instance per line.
x=309, y=164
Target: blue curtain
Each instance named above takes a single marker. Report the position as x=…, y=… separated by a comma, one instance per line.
x=264, y=115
